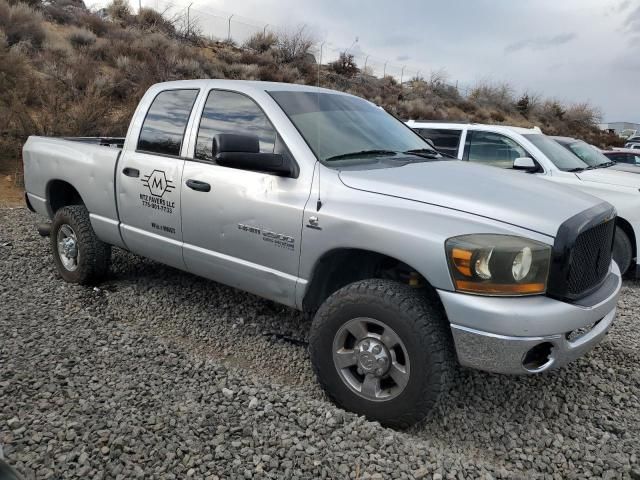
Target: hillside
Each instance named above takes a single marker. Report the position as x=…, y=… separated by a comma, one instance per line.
x=67, y=71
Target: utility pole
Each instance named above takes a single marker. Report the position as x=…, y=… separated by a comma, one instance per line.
x=366, y=59
x=402, y=75
x=384, y=70
x=264, y=30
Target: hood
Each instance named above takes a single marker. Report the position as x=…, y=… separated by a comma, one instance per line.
x=625, y=167
x=610, y=177
x=508, y=196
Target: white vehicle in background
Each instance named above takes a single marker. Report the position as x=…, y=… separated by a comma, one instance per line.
x=529, y=150
x=632, y=145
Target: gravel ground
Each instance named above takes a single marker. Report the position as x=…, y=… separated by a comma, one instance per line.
x=160, y=374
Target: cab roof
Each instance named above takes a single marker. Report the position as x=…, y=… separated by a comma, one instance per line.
x=243, y=85
x=477, y=126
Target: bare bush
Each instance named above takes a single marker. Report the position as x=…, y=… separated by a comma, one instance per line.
x=491, y=95
x=261, y=42
x=119, y=10
x=153, y=21
x=93, y=23
x=583, y=115
x=21, y=23
x=81, y=37
x=294, y=46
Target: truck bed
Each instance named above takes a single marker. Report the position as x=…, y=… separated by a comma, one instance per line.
x=87, y=163
x=114, y=142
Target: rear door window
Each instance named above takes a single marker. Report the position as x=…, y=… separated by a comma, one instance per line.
x=492, y=149
x=446, y=141
x=163, y=128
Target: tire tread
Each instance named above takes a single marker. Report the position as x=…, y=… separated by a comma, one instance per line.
x=428, y=318
x=96, y=254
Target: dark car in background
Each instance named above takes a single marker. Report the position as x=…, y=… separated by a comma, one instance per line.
x=623, y=155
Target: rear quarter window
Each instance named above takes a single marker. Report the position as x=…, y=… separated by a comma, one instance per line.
x=446, y=141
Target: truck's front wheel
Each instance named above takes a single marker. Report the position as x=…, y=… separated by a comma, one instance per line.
x=382, y=349
x=78, y=254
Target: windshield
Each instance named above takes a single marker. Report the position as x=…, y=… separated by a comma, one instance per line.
x=337, y=127
x=588, y=154
x=560, y=156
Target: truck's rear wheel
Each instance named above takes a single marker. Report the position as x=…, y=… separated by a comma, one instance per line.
x=382, y=349
x=78, y=254
x=622, y=250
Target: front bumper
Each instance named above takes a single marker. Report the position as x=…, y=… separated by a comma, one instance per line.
x=497, y=334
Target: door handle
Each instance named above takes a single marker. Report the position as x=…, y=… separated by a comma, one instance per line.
x=198, y=185
x=131, y=172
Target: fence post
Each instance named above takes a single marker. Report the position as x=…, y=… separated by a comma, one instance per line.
x=188, y=20
x=229, y=29
x=320, y=63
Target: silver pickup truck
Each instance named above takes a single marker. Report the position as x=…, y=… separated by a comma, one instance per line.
x=409, y=262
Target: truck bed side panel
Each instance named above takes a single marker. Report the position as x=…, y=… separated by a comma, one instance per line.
x=88, y=168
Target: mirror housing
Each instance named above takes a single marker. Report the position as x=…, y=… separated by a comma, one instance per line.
x=430, y=142
x=243, y=152
x=525, y=163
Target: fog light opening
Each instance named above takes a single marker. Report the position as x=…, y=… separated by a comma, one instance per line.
x=539, y=357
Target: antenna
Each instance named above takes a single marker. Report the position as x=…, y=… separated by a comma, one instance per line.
x=319, y=201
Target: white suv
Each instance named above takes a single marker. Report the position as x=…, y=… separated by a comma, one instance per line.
x=529, y=150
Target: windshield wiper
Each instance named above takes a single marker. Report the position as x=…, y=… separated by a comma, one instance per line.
x=361, y=153
x=606, y=165
x=577, y=169
x=423, y=152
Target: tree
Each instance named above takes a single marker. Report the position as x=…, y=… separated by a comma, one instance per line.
x=345, y=65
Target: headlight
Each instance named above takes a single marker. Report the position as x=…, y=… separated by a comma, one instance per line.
x=490, y=264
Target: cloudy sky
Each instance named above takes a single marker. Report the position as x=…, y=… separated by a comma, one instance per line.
x=573, y=50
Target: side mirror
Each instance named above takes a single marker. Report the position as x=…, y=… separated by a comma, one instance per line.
x=243, y=152
x=525, y=163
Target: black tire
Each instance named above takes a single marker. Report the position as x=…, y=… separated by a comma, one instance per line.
x=419, y=321
x=94, y=256
x=622, y=250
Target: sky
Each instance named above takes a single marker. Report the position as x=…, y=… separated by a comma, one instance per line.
x=572, y=50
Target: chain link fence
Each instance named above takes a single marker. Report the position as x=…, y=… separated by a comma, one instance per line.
x=221, y=26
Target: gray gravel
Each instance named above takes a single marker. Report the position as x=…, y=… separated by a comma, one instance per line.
x=160, y=374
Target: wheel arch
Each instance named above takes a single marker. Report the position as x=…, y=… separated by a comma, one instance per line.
x=61, y=193
x=628, y=229
x=342, y=266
